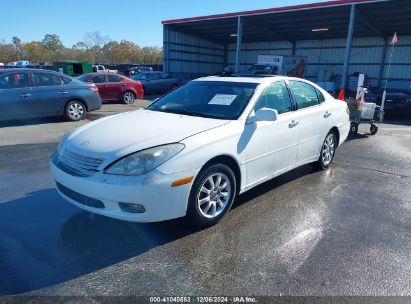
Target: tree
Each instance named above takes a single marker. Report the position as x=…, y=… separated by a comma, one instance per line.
x=18, y=47
x=95, y=41
x=7, y=53
x=35, y=52
x=53, y=46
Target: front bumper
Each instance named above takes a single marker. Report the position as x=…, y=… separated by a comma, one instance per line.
x=152, y=190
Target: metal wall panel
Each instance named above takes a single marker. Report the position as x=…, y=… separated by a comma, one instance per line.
x=192, y=57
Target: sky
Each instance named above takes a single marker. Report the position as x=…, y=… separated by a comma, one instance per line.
x=138, y=21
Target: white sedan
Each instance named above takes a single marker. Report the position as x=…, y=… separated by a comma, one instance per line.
x=193, y=150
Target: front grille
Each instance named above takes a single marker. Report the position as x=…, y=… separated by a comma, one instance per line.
x=80, y=198
x=81, y=162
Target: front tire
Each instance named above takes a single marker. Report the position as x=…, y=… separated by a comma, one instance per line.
x=129, y=97
x=212, y=195
x=75, y=110
x=327, y=151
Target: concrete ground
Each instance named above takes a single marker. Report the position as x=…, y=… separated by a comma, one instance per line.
x=344, y=231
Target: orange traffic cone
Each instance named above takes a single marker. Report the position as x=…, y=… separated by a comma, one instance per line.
x=341, y=95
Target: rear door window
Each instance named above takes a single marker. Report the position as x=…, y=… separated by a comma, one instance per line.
x=305, y=95
x=44, y=80
x=154, y=76
x=13, y=81
x=114, y=78
x=99, y=79
x=165, y=75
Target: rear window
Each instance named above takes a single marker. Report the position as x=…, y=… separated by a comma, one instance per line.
x=83, y=77
x=43, y=80
x=66, y=80
x=114, y=78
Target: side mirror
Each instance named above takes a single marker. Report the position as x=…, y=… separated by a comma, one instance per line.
x=263, y=114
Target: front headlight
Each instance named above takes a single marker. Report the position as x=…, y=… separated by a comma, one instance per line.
x=144, y=161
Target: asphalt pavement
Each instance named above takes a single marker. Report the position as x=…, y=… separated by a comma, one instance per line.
x=344, y=231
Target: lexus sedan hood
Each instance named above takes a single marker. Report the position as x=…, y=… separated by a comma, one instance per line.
x=116, y=136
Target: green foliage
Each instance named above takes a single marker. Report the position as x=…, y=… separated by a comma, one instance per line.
x=93, y=48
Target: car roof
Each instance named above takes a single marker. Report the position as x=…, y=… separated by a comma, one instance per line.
x=152, y=72
x=251, y=79
x=28, y=70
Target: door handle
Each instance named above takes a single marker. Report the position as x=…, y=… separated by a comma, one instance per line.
x=293, y=124
x=25, y=95
x=327, y=114
x=63, y=92
x=123, y=85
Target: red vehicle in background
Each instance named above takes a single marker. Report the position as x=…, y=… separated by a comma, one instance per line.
x=114, y=87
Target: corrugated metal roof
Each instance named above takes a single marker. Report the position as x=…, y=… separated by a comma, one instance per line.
x=273, y=10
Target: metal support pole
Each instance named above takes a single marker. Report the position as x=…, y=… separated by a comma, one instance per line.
x=293, y=48
x=239, y=38
x=382, y=65
x=166, y=53
x=348, y=44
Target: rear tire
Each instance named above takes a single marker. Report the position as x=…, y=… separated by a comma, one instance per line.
x=75, y=110
x=354, y=128
x=128, y=97
x=327, y=151
x=373, y=129
x=212, y=195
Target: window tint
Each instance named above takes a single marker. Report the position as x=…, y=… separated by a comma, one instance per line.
x=66, y=80
x=114, y=78
x=13, y=81
x=276, y=97
x=99, y=79
x=165, y=76
x=154, y=76
x=305, y=95
x=43, y=79
x=320, y=96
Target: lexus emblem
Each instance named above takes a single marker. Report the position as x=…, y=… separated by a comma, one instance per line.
x=84, y=143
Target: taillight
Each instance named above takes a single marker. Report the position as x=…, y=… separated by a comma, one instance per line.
x=139, y=85
x=94, y=89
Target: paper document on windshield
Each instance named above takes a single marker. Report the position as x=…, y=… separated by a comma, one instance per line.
x=222, y=99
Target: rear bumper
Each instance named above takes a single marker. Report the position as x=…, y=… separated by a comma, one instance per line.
x=93, y=102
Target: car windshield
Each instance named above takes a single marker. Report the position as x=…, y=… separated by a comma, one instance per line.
x=213, y=99
x=399, y=85
x=141, y=76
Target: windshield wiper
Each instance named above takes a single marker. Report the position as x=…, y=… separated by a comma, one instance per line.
x=184, y=111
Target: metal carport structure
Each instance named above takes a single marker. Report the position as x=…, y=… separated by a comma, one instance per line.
x=343, y=36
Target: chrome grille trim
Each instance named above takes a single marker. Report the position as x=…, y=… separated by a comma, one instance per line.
x=81, y=162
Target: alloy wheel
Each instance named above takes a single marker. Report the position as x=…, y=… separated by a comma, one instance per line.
x=128, y=98
x=328, y=149
x=214, y=195
x=76, y=111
